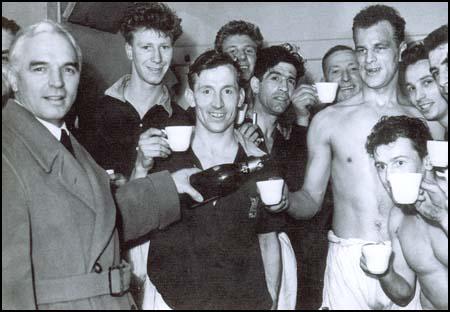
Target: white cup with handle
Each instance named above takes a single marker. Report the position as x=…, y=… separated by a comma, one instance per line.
x=326, y=91
x=179, y=137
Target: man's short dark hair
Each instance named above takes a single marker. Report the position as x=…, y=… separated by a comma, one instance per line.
x=211, y=59
x=270, y=57
x=389, y=129
x=413, y=53
x=332, y=51
x=10, y=25
x=377, y=13
x=238, y=28
x=436, y=38
x=150, y=15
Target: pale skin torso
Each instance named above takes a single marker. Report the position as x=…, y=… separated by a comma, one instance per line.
x=425, y=249
x=336, y=144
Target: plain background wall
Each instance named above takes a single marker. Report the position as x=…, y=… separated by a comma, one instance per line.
x=315, y=27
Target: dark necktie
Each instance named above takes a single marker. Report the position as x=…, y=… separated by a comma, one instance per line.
x=65, y=140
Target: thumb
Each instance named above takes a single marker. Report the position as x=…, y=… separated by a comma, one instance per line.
x=194, y=193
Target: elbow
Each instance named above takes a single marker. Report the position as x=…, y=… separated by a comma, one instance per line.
x=299, y=212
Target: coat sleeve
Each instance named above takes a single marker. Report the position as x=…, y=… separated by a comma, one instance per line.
x=17, y=277
x=148, y=204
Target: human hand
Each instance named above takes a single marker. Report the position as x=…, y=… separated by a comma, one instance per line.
x=283, y=204
x=152, y=143
x=250, y=132
x=181, y=178
x=303, y=98
x=432, y=202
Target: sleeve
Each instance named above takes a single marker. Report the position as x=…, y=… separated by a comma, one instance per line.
x=270, y=222
x=17, y=275
x=148, y=204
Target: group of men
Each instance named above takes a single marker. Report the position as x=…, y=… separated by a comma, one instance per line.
x=60, y=228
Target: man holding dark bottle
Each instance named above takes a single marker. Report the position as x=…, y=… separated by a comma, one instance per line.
x=224, y=254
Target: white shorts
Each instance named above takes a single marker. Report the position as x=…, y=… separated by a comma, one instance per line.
x=347, y=286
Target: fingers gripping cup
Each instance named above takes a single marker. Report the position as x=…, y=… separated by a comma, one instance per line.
x=438, y=152
x=271, y=191
x=326, y=91
x=377, y=257
x=179, y=137
x=405, y=187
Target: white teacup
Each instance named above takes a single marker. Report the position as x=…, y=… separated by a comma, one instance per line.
x=271, y=191
x=326, y=91
x=377, y=257
x=438, y=152
x=179, y=137
x=405, y=187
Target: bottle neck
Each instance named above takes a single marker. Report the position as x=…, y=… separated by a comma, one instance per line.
x=252, y=165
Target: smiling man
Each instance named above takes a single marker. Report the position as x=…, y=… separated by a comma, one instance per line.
x=60, y=243
x=140, y=101
x=422, y=89
x=220, y=256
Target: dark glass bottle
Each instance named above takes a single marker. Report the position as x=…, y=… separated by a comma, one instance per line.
x=221, y=180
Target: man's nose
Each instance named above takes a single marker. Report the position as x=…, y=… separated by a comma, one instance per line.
x=420, y=95
x=346, y=75
x=241, y=55
x=56, y=79
x=370, y=57
x=283, y=86
x=156, y=57
x=217, y=101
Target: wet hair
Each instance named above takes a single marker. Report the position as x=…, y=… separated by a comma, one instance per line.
x=333, y=50
x=436, y=38
x=389, y=129
x=238, y=28
x=10, y=25
x=377, y=13
x=270, y=57
x=47, y=26
x=212, y=59
x=150, y=15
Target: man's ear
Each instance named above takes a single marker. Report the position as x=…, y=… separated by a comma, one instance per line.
x=241, y=98
x=254, y=84
x=427, y=163
x=189, y=96
x=402, y=48
x=129, y=51
x=10, y=74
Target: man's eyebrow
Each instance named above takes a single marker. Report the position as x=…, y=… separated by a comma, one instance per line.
x=40, y=63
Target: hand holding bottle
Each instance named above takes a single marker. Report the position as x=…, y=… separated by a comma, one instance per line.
x=181, y=179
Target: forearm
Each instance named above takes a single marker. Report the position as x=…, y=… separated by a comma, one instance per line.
x=397, y=288
x=148, y=204
x=271, y=256
x=302, y=205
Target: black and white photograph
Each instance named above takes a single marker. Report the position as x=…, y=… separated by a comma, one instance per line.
x=225, y=155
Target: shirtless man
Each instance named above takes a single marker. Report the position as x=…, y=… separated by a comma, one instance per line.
x=419, y=232
x=336, y=142
x=423, y=91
